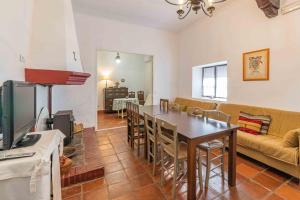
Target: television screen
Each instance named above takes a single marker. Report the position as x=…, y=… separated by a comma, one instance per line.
x=24, y=108
x=18, y=111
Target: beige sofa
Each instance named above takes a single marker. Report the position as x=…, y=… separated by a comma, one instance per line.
x=268, y=148
x=185, y=103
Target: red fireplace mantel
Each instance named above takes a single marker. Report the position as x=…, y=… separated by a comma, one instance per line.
x=55, y=77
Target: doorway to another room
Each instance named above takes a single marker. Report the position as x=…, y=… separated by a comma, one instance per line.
x=122, y=77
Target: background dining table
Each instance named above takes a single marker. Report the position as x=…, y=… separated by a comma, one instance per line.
x=196, y=130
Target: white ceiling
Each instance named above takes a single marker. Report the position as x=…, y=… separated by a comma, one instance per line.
x=152, y=13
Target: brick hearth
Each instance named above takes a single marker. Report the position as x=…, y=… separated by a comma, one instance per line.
x=86, y=163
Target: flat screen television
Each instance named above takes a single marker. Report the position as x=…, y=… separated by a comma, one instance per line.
x=18, y=112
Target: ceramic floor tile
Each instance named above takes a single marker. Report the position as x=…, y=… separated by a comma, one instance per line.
x=116, y=177
x=99, y=194
x=246, y=170
x=274, y=197
x=119, y=189
x=288, y=192
x=113, y=167
x=253, y=190
x=95, y=184
x=76, y=197
x=71, y=191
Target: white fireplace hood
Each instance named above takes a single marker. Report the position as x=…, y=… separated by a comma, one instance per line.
x=54, y=43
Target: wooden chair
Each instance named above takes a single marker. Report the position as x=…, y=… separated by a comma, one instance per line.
x=164, y=104
x=210, y=146
x=129, y=121
x=175, y=107
x=138, y=127
x=152, y=140
x=195, y=111
x=131, y=94
x=141, y=97
x=170, y=147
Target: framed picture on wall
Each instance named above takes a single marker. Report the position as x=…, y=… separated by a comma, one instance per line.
x=256, y=65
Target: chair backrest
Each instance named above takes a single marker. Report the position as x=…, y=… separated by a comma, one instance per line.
x=148, y=101
x=175, y=107
x=129, y=110
x=218, y=115
x=131, y=94
x=150, y=125
x=135, y=113
x=164, y=104
x=141, y=95
x=167, y=134
x=195, y=111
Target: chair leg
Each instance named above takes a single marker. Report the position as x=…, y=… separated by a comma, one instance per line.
x=162, y=172
x=154, y=158
x=148, y=149
x=174, y=178
x=208, y=163
x=200, y=171
x=138, y=132
x=222, y=161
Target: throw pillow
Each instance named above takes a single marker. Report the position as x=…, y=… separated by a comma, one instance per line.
x=249, y=124
x=266, y=121
x=291, y=138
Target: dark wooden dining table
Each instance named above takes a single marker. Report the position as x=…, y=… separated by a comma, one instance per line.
x=194, y=130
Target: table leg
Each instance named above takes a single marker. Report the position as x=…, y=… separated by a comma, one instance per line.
x=145, y=145
x=122, y=113
x=232, y=159
x=191, y=171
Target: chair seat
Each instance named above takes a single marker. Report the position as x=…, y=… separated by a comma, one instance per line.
x=182, y=151
x=214, y=144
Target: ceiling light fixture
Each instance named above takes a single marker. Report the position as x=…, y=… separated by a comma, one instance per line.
x=185, y=6
x=118, y=58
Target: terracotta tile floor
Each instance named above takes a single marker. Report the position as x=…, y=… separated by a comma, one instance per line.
x=110, y=121
x=128, y=176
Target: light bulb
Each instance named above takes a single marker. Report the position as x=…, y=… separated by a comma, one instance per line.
x=118, y=58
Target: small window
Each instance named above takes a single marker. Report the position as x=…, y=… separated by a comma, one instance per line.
x=210, y=81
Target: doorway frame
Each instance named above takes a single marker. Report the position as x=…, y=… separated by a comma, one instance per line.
x=97, y=76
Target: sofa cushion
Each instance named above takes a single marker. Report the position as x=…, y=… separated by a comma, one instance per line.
x=270, y=146
x=273, y=148
x=250, y=141
x=291, y=138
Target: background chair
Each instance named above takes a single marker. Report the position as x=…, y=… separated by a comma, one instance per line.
x=175, y=107
x=152, y=140
x=131, y=94
x=164, y=104
x=195, y=111
x=149, y=100
x=209, y=147
x=141, y=97
x=170, y=147
x=138, y=127
x=129, y=121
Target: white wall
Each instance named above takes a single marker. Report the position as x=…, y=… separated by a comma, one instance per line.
x=16, y=18
x=15, y=34
x=240, y=27
x=132, y=68
x=99, y=33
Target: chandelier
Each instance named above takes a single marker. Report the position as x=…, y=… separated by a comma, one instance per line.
x=185, y=6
